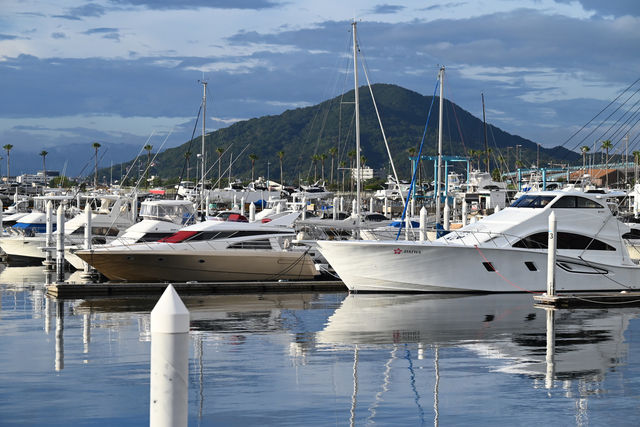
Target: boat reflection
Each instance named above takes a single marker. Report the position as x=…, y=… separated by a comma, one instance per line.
x=584, y=343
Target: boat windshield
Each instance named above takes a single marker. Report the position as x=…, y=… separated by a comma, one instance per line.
x=532, y=201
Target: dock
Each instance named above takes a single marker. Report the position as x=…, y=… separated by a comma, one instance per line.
x=88, y=290
x=589, y=300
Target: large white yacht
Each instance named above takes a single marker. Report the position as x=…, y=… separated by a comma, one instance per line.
x=504, y=252
x=209, y=251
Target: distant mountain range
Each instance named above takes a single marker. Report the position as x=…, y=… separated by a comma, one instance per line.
x=304, y=132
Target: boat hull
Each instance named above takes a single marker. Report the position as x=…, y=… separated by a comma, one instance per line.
x=439, y=267
x=203, y=266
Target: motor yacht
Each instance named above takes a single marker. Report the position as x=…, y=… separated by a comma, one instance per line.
x=210, y=251
x=503, y=252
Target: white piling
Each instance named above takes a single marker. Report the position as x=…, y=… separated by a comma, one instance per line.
x=446, y=214
x=207, y=202
x=1, y=207
x=551, y=254
x=242, y=201
x=341, y=204
x=169, y=385
x=464, y=212
x=496, y=209
x=304, y=208
x=235, y=201
x=78, y=202
x=423, y=224
x=279, y=208
x=371, y=205
x=134, y=208
x=354, y=206
x=60, y=245
x=87, y=234
x=335, y=208
x=454, y=208
x=49, y=235
x=413, y=207
x=252, y=212
x=386, y=208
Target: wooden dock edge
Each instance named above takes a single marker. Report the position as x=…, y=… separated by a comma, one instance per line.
x=75, y=291
x=599, y=300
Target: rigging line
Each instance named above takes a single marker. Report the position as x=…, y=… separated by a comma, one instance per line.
x=132, y=164
x=600, y=112
x=614, y=124
x=455, y=115
x=186, y=161
x=500, y=274
x=604, y=120
x=384, y=136
x=413, y=178
x=621, y=126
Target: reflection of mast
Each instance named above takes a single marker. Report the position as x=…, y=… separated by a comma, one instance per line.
x=86, y=331
x=59, y=361
x=551, y=345
x=354, y=396
x=385, y=385
x=436, y=365
x=47, y=315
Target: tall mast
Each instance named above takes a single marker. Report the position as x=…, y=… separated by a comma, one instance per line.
x=202, y=160
x=439, y=174
x=357, y=107
x=484, y=125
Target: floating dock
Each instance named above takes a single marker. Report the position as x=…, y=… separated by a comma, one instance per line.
x=87, y=290
x=599, y=300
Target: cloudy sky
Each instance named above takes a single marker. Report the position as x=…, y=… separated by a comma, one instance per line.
x=120, y=71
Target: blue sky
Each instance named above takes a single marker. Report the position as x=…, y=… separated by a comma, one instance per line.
x=124, y=71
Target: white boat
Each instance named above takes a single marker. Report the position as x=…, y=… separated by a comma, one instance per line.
x=209, y=251
x=393, y=190
x=504, y=252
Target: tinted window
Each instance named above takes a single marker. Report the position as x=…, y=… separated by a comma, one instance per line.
x=532, y=201
x=565, y=241
x=576, y=202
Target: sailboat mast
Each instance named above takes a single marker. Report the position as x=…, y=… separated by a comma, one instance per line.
x=204, y=122
x=439, y=174
x=484, y=124
x=357, y=107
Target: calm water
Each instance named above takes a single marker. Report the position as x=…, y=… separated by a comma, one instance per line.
x=320, y=359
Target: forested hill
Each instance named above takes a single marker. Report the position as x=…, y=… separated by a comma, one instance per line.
x=329, y=127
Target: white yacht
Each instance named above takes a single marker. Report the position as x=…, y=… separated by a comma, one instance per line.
x=209, y=251
x=393, y=190
x=504, y=252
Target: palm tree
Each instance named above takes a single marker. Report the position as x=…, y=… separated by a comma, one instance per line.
x=323, y=157
x=584, y=150
x=95, y=146
x=606, y=144
x=148, y=147
x=187, y=157
x=8, y=147
x=281, y=158
x=44, y=153
x=314, y=160
x=253, y=158
x=332, y=152
x=219, y=150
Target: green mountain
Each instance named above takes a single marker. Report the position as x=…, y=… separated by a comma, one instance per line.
x=305, y=132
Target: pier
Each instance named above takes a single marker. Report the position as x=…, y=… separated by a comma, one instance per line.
x=87, y=290
x=599, y=300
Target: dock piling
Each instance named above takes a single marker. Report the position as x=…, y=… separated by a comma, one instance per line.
x=60, y=246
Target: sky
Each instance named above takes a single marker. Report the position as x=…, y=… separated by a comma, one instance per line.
x=128, y=71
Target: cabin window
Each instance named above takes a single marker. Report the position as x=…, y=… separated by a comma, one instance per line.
x=488, y=266
x=532, y=201
x=530, y=265
x=576, y=202
x=251, y=244
x=565, y=241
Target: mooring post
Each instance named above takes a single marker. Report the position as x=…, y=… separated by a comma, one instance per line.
x=1, y=225
x=354, y=208
x=446, y=213
x=371, y=205
x=242, y=202
x=169, y=361
x=87, y=235
x=252, y=212
x=464, y=212
x=551, y=255
x=48, y=262
x=60, y=245
x=385, y=212
x=423, y=224
x=341, y=203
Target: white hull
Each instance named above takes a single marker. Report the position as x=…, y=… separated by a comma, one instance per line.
x=440, y=267
x=23, y=247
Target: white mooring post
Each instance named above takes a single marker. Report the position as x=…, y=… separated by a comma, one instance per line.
x=49, y=236
x=60, y=245
x=87, y=235
x=252, y=212
x=551, y=254
x=423, y=224
x=1, y=207
x=371, y=205
x=341, y=203
x=354, y=208
x=385, y=212
x=169, y=383
x=335, y=208
x=304, y=208
x=446, y=213
x=464, y=212
x=242, y=202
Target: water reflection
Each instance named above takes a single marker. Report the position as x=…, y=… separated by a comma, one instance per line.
x=585, y=342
